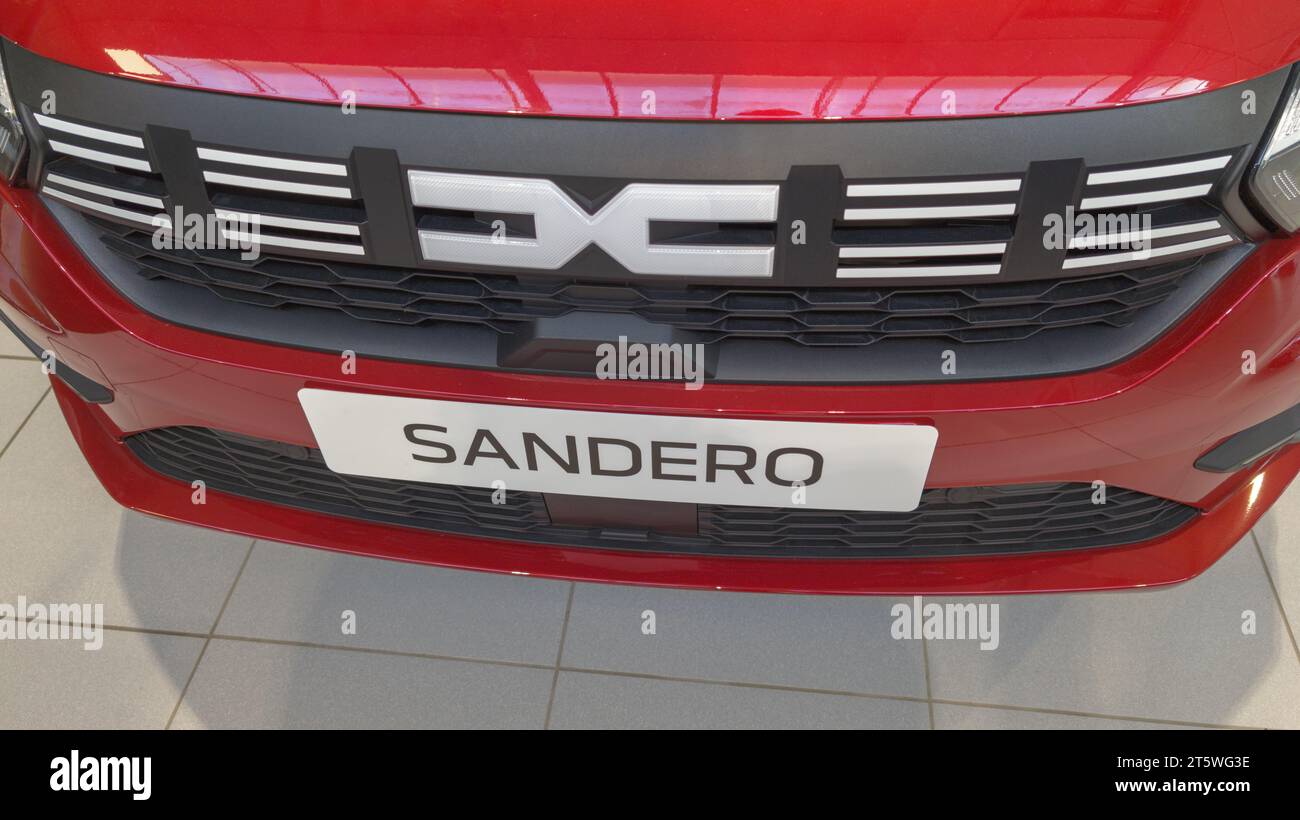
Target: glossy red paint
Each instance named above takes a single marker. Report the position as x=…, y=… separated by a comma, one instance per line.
x=833, y=59
x=1139, y=424
x=1177, y=557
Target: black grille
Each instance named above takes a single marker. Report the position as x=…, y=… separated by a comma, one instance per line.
x=948, y=522
x=827, y=316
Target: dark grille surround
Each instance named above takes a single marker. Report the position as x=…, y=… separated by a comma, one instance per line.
x=920, y=236
x=948, y=522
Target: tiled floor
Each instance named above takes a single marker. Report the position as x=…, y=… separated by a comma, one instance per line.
x=210, y=630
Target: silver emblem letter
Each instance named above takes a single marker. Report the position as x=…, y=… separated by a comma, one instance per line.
x=621, y=228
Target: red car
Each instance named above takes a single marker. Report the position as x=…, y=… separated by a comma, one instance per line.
x=834, y=297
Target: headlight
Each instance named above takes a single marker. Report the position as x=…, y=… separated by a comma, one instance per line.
x=1275, y=183
x=12, y=140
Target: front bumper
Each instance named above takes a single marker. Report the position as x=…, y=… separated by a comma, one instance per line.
x=1139, y=424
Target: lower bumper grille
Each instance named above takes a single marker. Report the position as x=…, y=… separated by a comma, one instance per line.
x=948, y=522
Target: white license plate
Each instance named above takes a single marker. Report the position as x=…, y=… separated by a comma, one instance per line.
x=819, y=465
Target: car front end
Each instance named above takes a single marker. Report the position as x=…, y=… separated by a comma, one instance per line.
x=1007, y=305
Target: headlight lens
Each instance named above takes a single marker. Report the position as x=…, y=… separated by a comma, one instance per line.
x=1276, y=181
x=12, y=139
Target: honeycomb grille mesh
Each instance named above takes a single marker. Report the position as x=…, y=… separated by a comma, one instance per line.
x=948, y=522
x=827, y=316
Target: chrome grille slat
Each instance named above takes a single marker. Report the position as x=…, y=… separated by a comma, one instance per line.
x=279, y=185
x=112, y=193
x=1083, y=243
x=1173, y=169
x=922, y=250
x=1152, y=253
x=1093, y=203
x=920, y=202
x=315, y=225
x=101, y=156
x=930, y=212
x=110, y=210
x=89, y=132
x=281, y=163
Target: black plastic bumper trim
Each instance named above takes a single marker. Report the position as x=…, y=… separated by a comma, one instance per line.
x=964, y=521
x=88, y=389
x=1253, y=443
x=1053, y=352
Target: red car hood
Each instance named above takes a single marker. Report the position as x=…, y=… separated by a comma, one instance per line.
x=690, y=59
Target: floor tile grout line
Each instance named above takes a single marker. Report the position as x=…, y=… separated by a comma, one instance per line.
x=23, y=425
x=776, y=687
x=904, y=698
x=676, y=679
x=203, y=649
x=929, y=693
x=1277, y=596
x=230, y=593
x=371, y=650
x=1006, y=707
x=559, y=655
x=365, y=650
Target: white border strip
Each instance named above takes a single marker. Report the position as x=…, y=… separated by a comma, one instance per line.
x=112, y=193
x=938, y=212
x=100, y=156
x=277, y=185
x=1175, y=169
x=973, y=186
x=91, y=133
x=1135, y=256
x=286, y=242
x=287, y=222
x=1094, y=202
x=883, y=251
x=901, y=272
x=122, y=213
x=328, y=168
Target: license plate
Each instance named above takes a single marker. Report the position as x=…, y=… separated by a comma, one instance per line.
x=818, y=465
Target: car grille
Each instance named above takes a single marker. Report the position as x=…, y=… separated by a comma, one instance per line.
x=886, y=246
x=887, y=229
x=316, y=256
x=836, y=316
x=948, y=522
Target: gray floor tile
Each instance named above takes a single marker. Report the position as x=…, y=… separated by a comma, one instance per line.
x=131, y=682
x=240, y=684
x=1278, y=534
x=296, y=594
x=1176, y=653
x=814, y=642
x=593, y=701
x=21, y=386
x=10, y=346
x=65, y=540
x=947, y=716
